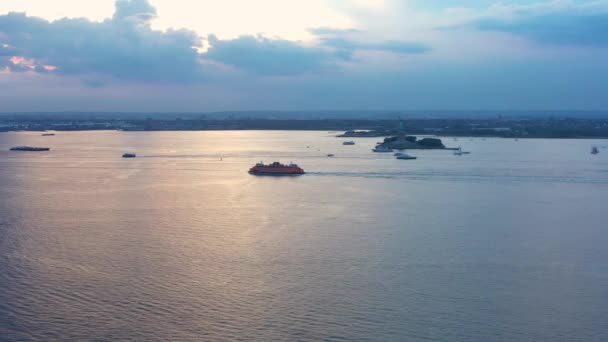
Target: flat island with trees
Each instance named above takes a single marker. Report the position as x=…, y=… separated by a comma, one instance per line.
x=410, y=142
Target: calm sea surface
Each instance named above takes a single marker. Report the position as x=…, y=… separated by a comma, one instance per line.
x=509, y=243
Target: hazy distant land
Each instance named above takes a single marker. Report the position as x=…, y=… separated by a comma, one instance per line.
x=519, y=124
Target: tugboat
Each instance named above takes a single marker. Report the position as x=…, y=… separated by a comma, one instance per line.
x=276, y=169
x=405, y=156
x=29, y=149
x=129, y=155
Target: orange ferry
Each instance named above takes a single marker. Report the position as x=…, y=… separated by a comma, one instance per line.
x=276, y=169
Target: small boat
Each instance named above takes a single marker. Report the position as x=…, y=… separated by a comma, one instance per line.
x=405, y=156
x=48, y=134
x=29, y=149
x=460, y=152
x=348, y=142
x=276, y=169
x=331, y=155
x=129, y=155
x=382, y=149
x=594, y=150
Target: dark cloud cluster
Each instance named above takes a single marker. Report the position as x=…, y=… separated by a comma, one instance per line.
x=575, y=25
x=267, y=56
x=394, y=46
x=339, y=40
x=261, y=55
x=124, y=47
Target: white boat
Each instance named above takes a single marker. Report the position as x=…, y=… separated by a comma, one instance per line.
x=348, y=142
x=405, y=156
x=382, y=149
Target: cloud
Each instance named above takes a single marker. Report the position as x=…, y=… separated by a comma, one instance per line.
x=139, y=10
x=339, y=39
x=124, y=47
x=265, y=56
x=394, y=46
x=554, y=22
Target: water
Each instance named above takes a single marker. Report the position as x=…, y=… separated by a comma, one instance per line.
x=505, y=244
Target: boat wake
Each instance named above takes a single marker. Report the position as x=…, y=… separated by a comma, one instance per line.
x=356, y=174
x=475, y=177
x=214, y=156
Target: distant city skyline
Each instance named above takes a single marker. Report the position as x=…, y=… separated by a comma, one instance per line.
x=161, y=55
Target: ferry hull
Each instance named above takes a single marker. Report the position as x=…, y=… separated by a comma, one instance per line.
x=278, y=174
x=259, y=172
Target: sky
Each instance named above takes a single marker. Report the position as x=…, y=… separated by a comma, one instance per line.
x=209, y=55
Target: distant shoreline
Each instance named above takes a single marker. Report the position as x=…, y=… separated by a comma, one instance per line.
x=319, y=130
x=349, y=128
